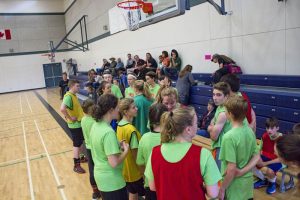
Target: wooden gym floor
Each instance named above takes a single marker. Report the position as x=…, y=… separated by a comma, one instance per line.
x=36, y=153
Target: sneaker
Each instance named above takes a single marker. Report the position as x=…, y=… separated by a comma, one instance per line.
x=78, y=169
x=261, y=183
x=271, y=188
x=96, y=195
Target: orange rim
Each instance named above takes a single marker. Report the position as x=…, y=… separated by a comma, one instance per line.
x=140, y=5
x=146, y=7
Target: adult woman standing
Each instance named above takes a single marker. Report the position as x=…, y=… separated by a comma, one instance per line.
x=184, y=82
x=108, y=154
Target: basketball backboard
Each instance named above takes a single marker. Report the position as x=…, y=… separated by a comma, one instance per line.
x=162, y=9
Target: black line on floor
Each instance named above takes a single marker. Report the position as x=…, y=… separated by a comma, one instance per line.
x=55, y=115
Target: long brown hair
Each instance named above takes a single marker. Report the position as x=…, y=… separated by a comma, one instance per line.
x=174, y=122
x=104, y=104
x=165, y=91
x=155, y=112
x=186, y=69
x=288, y=148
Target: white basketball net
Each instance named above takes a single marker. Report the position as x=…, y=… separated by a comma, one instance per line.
x=131, y=16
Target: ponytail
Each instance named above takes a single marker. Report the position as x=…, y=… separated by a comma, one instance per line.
x=174, y=122
x=141, y=86
x=104, y=104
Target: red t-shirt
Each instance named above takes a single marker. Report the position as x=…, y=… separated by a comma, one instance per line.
x=248, y=114
x=268, y=146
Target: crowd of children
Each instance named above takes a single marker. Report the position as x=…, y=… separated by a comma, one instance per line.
x=149, y=153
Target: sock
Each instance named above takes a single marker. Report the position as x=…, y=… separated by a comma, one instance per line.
x=272, y=180
x=258, y=173
x=76, y=161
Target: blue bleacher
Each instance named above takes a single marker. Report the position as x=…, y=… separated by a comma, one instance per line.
x=258, y=79
x=82, y=77
x=267, y=100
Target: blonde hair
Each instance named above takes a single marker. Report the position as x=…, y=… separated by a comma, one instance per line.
x=141, y=86
x=174, y=122
x=124, y=105
x=166, y=91
x=237, y=106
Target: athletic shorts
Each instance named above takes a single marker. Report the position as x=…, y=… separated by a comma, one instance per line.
x=77, y=136
x=275, y=166
x=150, y=195
x=136, y=187
x=120, y=194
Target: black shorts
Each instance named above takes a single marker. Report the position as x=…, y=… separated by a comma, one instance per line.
x=77, y=136
x=136, y=187
x=150, y=195
x=120, y=194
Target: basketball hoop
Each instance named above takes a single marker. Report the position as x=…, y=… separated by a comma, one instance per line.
x=132, y=12
x=51, y=56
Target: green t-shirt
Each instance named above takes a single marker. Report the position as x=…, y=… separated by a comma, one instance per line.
x=238, y=146
x=226, y=127
x=141, y=120
x=86, y=124
x=147, y=142
x=104, y=142
x=115, y=90
x=129, y=92
x=68, y=102
x=174, y=152
x=154, y=90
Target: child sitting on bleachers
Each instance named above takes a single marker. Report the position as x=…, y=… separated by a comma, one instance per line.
x=268, y=157
x=206, y=119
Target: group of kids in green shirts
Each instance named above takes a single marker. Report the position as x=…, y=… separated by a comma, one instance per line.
x=151, y=152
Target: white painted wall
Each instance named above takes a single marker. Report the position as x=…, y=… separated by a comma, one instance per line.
x=262, y=36
x=23, y=72
x=21, y=6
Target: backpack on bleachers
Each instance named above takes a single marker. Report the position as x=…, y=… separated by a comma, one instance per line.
x=234, y=69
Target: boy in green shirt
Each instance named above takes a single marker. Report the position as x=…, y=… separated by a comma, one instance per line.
x=238, y=149
x=73, y=113
x=219, y=124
